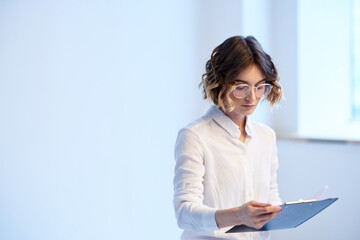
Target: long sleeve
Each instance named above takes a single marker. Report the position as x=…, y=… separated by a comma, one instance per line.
x=190, y=211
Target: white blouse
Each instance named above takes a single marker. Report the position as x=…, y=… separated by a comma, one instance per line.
x=214, y=170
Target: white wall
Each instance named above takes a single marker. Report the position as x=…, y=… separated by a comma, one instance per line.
x=92, y=95
x=305, y=168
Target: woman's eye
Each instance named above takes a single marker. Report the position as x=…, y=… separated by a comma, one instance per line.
x=241, y=88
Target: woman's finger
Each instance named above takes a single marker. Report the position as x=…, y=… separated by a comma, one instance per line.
x=259, y=204
x=263, y=218
x=265, y=210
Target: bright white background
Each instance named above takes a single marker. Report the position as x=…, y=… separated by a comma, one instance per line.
x=92, y=95
x=325, y=72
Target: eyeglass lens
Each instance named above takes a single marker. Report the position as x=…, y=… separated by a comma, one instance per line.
x=243, y=90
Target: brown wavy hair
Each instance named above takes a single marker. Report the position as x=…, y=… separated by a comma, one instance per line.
x=230, y=58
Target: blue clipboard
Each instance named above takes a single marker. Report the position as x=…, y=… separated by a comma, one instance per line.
x=292, y=215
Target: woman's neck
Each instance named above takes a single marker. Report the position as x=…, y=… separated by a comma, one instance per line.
x=239, y=120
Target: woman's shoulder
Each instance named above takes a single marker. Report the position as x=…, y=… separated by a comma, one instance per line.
x=193, y=133
x=197, y=126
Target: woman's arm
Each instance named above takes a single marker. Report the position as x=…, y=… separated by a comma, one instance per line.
x=190, y=211
x=252, y=214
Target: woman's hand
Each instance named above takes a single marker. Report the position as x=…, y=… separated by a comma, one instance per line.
x=256, y=215
x=253, y=214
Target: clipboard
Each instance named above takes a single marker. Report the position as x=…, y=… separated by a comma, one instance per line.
x=292, y=215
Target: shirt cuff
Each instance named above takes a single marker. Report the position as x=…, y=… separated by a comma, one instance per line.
x=208, y=218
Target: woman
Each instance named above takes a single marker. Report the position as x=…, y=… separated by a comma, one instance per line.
x=226, y=164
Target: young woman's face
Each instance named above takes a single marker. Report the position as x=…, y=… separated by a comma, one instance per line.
x=247, y=105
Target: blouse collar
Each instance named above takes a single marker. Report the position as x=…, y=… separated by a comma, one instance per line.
x=226, y=123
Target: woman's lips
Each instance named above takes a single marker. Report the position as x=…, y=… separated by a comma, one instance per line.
x=248, y=106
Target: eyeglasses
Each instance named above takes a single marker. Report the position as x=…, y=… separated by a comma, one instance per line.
x=242, y=90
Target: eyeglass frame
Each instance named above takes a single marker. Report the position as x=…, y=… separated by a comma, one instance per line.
x=256, y=89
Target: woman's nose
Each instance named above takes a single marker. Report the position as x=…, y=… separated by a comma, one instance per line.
x=252, y=94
